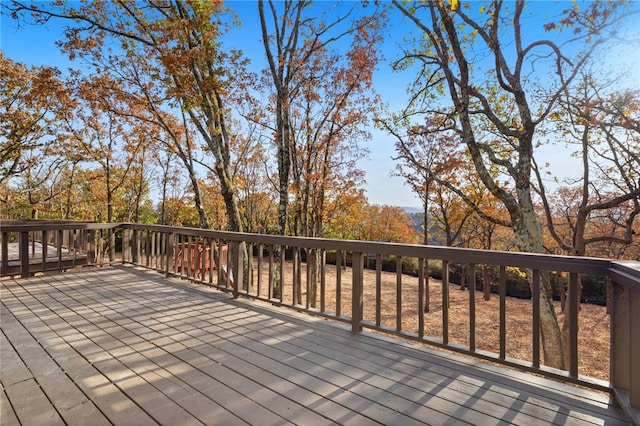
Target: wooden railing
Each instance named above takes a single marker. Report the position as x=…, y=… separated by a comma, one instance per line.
x=352, y=289
x=31, y=246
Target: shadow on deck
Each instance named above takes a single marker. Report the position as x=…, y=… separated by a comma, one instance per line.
x=121, y=345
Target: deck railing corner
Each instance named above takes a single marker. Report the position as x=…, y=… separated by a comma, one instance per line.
x=625, y=333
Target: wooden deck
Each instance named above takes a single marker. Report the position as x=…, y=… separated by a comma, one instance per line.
x=120, y=345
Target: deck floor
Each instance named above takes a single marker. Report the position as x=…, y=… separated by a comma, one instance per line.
x=125, y=346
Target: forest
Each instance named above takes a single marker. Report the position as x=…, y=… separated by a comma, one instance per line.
x=161, y=122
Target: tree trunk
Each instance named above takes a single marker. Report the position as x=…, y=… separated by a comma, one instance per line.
x=529, y=236
x=552, y=342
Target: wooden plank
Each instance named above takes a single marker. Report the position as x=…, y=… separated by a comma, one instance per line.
x=4, y=252
x=573, y=310
x=348, y=376
x=24, y=254
x=70, y=402
x=423, y=305
x=241, y=397
x=196, y=391
x=30, y=403
x=109, y=399
x=187, y=354
x=398, y=293
x=378, y=288
x=549, y=396
x=234, y=376
x=543, y=387
x=7, y=415
x=315, y=383
x=445, y=302
x=262, y=325
x=12, y=369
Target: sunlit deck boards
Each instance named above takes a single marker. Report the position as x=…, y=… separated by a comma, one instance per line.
x=125, y=346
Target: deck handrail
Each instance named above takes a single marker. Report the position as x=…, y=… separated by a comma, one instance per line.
x=202, y=260
x=74, y=243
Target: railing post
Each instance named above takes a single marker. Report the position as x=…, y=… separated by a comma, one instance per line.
x=169, y=239
x=135, y=246
x=112, y=245
x=24, y=254
x=445, y=302
x=573, y=308
x=535, y=317
x=126, y=244
x=45, y=248
x=357, y=265
x=471, y=283
x=237, y=253
x=59, y=245
x=5, y=253
x=91, y=247
x=619, y=337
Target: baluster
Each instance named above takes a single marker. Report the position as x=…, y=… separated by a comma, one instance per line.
x=471, y=283
x=445, y=302
x=535, y=294
x=378, y=289
x=574, y=310
x=357, y=266
x=398, y=294
x=502, y=289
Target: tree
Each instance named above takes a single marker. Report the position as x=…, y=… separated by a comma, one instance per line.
x=258, y=204
x=331, y=111
x=603, y=203
x=282, y=50
x=425, y=155
x=105, y=139
x=349, y=217
x=39, y=182
x=312, y=93
x=176, y=50
x=34, y=103
x=495, y=112
x=388, y=224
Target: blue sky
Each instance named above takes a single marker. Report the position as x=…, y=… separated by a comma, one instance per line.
x=36, y=46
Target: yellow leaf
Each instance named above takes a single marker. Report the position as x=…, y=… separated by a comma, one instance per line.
x=454, y=4
x=482, y=8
